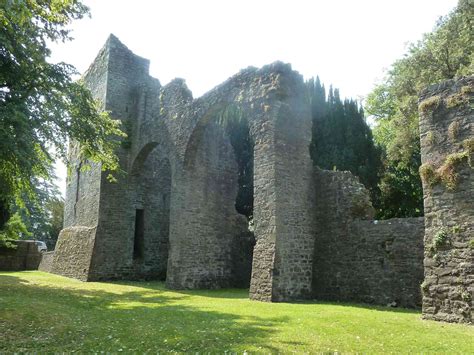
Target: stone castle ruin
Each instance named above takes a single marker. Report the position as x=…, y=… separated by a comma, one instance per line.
x=172, y=213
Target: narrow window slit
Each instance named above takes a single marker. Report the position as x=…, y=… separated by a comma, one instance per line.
x=139, y=234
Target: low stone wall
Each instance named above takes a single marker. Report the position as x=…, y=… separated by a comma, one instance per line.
x=24, y=257
x=378, y=262
x=46, y=262
x=358, y=259
x=386, y=262
x=73, y=254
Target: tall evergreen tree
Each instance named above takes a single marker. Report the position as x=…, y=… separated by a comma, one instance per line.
x=341, y=138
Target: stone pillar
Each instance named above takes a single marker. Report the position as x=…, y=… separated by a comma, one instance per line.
x=282, y=259
x=447, y=144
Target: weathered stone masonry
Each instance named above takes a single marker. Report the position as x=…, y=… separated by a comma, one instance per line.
x=180, y=183
x=357, y=258
x=25, y=256
x=447, y=147
x=172, y=215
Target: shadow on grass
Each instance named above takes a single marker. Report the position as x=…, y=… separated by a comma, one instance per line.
x=225, y=293
x=244, y=293
x=51, y=318
x=368, y=306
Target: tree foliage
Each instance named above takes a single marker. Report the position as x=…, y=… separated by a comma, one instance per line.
x=41, y=106
x=12, y=230
x=243, y=149
x=341, y=138
x=42, y=215
x=445, y=53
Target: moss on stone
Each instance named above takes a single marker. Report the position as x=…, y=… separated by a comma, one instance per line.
x=468, y=145
x=428, y=174
x=456, y=229
x=466, y=89
x=465, y=295
x=430, y=138
x=471, y=243
x=453, y=130
x=447, y=172
x=441, y=238
x=424, y=287
x=429, y=104
x=456, y=100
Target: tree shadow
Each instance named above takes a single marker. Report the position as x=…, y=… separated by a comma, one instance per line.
x=372, y=307
x=53, y=318
x=225, y=293
x=239, y=293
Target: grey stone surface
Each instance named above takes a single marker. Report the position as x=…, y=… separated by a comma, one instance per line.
x=180, y=169
x=446, y=128
x=46, y=262
x=25, y=256
x=73, y=253
x=171, y=215
x=360, y=259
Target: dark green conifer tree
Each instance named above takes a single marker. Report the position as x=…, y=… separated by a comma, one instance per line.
x=341, y=138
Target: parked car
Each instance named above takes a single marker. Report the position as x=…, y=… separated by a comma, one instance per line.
x=42, y=247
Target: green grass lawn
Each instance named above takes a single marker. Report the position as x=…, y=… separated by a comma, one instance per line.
x=48, y=313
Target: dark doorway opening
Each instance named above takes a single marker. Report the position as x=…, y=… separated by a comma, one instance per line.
x=139, y=234
x=238, y=130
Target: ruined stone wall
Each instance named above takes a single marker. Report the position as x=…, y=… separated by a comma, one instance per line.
x=73, y=254
x=46, y=263
x=272, y=99
x=447, y=153
x=359, y=259
x=25, y=256
x=201, y=255
x=113, y=250
x=81, y=205
x=154, y=180
x=153, y=195
x=312, y=236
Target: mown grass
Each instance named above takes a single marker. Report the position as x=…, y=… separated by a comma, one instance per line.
x=46, y=313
